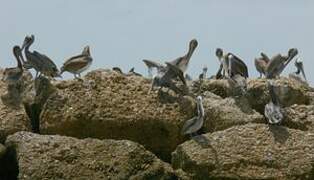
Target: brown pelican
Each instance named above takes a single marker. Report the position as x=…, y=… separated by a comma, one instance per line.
x=14, y=74
x=278, y=63
x=236, y=66
x=117, y=69
x=165, y=78
x=181, y=62
x=261, y=64
x=153, y=64
x=40, y=62
x=230, y=65
x=223, y=64
x=272, y=109
x=300, y=69
x=191, y=126
x=202, y=76
x=132, y=72
x=77, y=64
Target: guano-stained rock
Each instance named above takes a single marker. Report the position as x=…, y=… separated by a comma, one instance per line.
x=252, y=151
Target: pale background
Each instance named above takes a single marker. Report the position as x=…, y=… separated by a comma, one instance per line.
x=123, y=32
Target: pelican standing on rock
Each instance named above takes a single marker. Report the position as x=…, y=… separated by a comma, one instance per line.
x=272, y=109
x=278, y=63
x=237, y=66
x=191, y=126
x=300, y=69
x=261, y=64
x=40, y=62
x=202, y=76
x=230, y=65
x=77, y=64
x=12, y=75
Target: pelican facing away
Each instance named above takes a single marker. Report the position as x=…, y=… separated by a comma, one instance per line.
x=15, y=73
x=202, y=76
x=278, y=63
x=40, y=62
x=272, y=109
x=77, y=64
x=300, y=69
x=191, y=126
x=261, y=64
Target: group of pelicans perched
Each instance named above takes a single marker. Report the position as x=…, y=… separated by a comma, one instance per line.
x=167, y=75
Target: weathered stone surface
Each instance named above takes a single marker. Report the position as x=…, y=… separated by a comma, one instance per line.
x=252, y=151
x=59, y=157
x=299, y=117
x=12, y=119
x=221, y=113
x=220, y=87
x=2, y=150
x=107, y=104
x=288, y=91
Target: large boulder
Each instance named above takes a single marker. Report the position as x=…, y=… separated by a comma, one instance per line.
x=252, y=151
x=221, y=113
x=220, y=87
x=12, y=118
x=107, y=104
x=299, y=117
x=288, y=91
x=59, y=157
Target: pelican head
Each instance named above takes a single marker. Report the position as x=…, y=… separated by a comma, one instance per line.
x=219, y=53
x=292, y=52
x=300, y=68
x=28, y=41
x=199, y=99
x=86, y=51
x=193, y=43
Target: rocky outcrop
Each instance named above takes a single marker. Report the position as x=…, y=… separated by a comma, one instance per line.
x=58, y=157
x=299, y=117
x=107, y=104
x=252, y=151
x=12, y=118
x=288, y=91
x=221, y=113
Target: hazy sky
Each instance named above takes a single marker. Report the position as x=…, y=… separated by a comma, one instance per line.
x=123, y=32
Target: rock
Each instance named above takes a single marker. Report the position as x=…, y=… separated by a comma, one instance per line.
x=299, y=117
x=59, y=157
x=2, y=150
x=221, y=113
x=220, y=87
x=311, y=97
x=110, y=105
x=12, y=118
x=252, y=151
x=288, y=91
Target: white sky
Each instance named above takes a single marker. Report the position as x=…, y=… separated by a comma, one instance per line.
x=123, y=32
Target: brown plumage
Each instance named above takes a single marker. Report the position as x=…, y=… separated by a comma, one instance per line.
x=15, y=73
x=77, y=64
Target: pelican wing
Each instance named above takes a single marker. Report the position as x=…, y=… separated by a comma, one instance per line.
x=265, y=57
x=153, y=64
x=45, y=58
x=240, y=66
x=177, y=72
x=76, y=63
x=274, y=64
x=188, y=126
